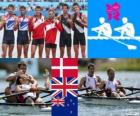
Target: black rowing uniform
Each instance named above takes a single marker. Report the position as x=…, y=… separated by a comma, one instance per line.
x=65, y=35
x=78, y=28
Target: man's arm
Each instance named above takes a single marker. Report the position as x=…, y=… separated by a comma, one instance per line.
x=33, y=80
x=82, y=82
x=12, y=77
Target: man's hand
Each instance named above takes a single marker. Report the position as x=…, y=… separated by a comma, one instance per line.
x=20, y=72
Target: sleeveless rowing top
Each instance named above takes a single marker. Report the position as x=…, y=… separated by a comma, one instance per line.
x=111, y=85
x=91, y=82
x=65, y=24
x=78, y=27
x=29, y=94
x=23, y=23
x=10, y=22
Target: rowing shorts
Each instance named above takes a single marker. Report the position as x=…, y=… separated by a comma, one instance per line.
x=65, y=40
x=50, y=45
x=79, y=38
x=37, y=41
x=8, y=37
x=22, y=38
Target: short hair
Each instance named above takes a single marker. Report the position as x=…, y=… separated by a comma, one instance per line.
x=91, y=65
x=11, y=5
x=75, y=4
x=22, y=7
x=21, y=63
x=38, y=7
x=65, y=5
x=110, y=69
x=51, y=10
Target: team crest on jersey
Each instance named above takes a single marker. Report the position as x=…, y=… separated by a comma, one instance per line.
x=23, y=25
x=10, y=24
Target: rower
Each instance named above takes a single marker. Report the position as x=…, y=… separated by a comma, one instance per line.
x=90, y=80
x=12, y=78
x=29, y=97
x=112, y=87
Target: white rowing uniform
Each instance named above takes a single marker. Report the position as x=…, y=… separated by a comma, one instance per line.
x=14, y=85
x=91, y=82
x=26, y=87
x=111, y=85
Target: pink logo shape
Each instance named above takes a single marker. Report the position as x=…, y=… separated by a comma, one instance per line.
x=113, y=11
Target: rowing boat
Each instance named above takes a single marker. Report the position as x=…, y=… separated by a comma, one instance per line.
x=22, y=108
x=109, y=100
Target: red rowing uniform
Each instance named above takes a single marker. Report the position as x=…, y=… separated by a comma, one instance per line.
x=36, y=26
x=51, y=30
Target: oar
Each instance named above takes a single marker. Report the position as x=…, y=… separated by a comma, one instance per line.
x=83, y=89
x=42, y=90
x=130, y=47
x=132, y=93
x=45, y=95
x=131, y=88
x=48, y=101
x=2, y=93
x=14, y=94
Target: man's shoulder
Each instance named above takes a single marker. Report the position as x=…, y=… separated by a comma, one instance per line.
x=12, y=74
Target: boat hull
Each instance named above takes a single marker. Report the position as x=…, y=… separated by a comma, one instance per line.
x=108, y=101
x=23, y=109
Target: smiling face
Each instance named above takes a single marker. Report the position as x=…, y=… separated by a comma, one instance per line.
x=76, y=9
x=65, y=9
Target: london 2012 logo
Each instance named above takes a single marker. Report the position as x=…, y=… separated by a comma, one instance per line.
x=126, y=30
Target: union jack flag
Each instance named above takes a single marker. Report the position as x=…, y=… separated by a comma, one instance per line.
x=64, y=86
x=58, y=102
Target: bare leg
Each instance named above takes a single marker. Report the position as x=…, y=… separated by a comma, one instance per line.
x=11, y=47
x=61, y=52
x=69, y=52
x=26, y=50
x=76, y=50
x=41, y=50
x=53, y=52
x=114, y=94
x=4, y=50
x=33, y=50
x=19, y=51
x=47, y=52
x=83, y=49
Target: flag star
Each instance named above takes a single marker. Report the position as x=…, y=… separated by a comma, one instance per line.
x=68, y=105
x=73, y=104
x=71, y=112
x=70, y=100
